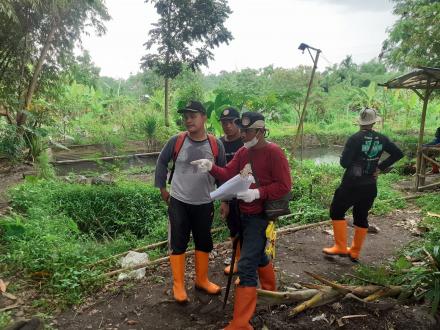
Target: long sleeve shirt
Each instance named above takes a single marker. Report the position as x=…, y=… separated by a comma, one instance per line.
x=270, y=166
x=365, y=149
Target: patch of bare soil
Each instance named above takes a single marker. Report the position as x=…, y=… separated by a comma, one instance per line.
x=148, y=304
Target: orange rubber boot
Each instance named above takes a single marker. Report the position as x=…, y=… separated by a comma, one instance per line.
x=237, y=257
x=177, y=262
x=244, y=307
x=202, y=282
x=358, y=241
x=340, y=234
x=266, y=275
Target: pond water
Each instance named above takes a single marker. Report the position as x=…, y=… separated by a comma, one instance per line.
x=321, y=155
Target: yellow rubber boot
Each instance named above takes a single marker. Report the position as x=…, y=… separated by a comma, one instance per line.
x=177, y=262
x=356, y=245
x=267, y=278
x=237, y=257
x=244, y=307
x=202, y=281
x=340, y=234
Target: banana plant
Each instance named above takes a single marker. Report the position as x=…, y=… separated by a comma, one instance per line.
x=214, y=109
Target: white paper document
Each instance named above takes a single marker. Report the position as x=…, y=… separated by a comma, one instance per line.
x=230, y=188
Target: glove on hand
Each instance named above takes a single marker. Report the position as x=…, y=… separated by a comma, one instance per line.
x=249, y=195
x=204, y=165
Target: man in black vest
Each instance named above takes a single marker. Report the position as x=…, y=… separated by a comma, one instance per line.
x=358, y=188
x=232, y=142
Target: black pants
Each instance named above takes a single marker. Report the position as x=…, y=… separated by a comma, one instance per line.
x=233, y=218
x=186, y=218
x=361, y=197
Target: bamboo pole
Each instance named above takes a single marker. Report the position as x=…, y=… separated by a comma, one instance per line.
x=154, y=262
x=148, y=264
x=428, y=186
x=391, y=291
x=323, y=297
x=430, y=159
x=421, y=134
x=144, y=248
x=292, y=229
x=434, y=215
x=276, y=298
x=299, y=131
x=143, y=265
x=331, y=284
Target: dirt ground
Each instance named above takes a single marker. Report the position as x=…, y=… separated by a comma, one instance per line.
x=148, y=304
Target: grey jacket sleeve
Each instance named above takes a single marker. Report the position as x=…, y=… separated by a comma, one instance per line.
x=166, y=155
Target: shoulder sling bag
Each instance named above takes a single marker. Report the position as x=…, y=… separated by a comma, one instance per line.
x=273, y=208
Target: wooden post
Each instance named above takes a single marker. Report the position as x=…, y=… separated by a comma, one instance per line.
x=166, y=102
x=421, y=134
x=423, y=165
x=301, y=119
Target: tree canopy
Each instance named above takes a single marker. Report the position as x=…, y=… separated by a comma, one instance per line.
x=185, y=34
x=38, y=39
x=414, y=40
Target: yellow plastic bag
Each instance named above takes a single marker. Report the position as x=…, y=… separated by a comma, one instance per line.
x=271, y=235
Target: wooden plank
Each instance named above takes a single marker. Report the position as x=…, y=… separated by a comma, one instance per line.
x=430, y=159
x=429, y=186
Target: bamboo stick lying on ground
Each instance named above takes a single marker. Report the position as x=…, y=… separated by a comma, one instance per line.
x=157, y=261
x=277, y=298
x=144, y=248
x=335, y=291
x=163, y=243
x=324, y=296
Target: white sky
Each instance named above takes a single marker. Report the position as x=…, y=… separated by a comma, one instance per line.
x=265, y=32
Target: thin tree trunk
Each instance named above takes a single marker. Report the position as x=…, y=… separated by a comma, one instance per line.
x=167, y=119
x=21, y=117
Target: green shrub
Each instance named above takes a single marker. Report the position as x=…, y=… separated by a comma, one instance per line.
x=422, y=280
x=101, y=210
x=54, y=236
x=11, y=143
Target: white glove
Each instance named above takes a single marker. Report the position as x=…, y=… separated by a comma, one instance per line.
x=249, y=195
x=204, y=165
